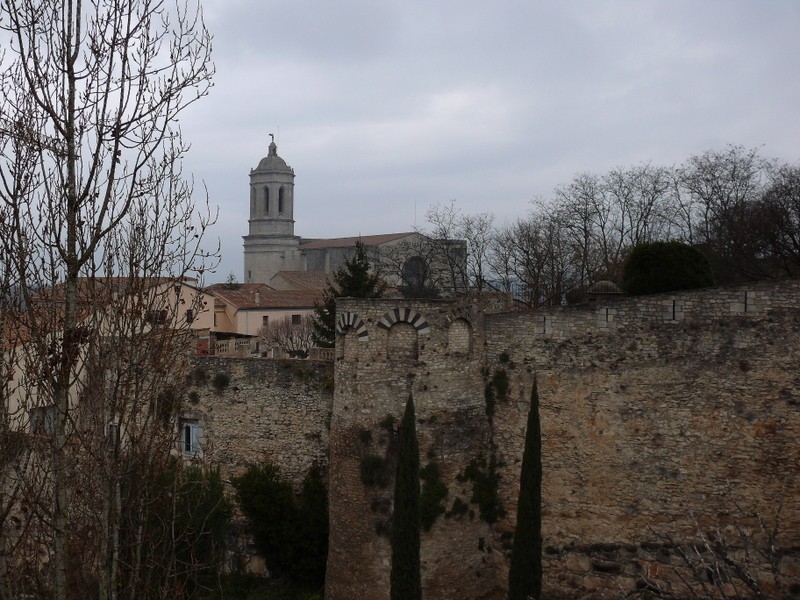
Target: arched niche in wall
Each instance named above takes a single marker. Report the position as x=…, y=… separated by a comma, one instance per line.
x=459, y=336
x=350, y=331
x=404, y=327
x=403, y=343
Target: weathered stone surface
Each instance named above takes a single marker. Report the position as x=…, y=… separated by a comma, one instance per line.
x=655, y=418
x=270, y=410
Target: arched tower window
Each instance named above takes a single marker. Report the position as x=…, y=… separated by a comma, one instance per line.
x=280, y=201
x=252, y=200
x=266, y=200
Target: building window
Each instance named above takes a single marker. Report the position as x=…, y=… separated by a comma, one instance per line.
x=190, y=438
x=156, y=317
x=415, y=272
x=280, y=201
x=43, y=420
x=295, y=319
x=265, y=320
x=189, y=315
x=215, y=319
x=266, y=200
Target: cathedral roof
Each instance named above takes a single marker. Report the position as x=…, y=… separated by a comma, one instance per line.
x=299, y=280
x=272, y=162
x=346, y=242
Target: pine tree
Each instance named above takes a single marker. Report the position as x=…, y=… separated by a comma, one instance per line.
x=405, y=577
x=525, y=576
x=352, y=280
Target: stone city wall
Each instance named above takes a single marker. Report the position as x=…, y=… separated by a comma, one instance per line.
x=660, y=414
x=267, y=410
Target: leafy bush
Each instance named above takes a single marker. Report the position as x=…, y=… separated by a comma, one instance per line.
x=665, y=267
x=291, y=536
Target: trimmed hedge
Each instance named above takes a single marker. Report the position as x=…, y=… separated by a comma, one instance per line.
x=656, y=267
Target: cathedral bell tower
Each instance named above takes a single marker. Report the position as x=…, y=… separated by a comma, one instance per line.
x=271, y=245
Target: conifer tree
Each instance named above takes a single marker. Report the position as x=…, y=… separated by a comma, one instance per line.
x=525, y=576
x=405, y=576
x=353, y=279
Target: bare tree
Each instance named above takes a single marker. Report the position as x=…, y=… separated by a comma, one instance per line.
x=418, y=268
x=715, y=194
x=533, y=258
x=741, y=560
x=293, y=336
x=97, y=212
x=461, y=242
x=777, y=220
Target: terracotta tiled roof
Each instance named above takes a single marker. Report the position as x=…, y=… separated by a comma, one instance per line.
x=243, y=296
x=304, y=280
x=91, y=289
x=345, y=242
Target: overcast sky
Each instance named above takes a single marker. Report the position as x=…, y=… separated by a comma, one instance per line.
x=384, y=108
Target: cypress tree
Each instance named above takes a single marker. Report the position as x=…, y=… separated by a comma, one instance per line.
x=405, y=577
x=525, y=576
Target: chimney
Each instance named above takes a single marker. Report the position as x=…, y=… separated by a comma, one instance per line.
x=258, y=297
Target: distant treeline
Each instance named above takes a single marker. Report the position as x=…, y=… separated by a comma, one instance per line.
x=738, y=208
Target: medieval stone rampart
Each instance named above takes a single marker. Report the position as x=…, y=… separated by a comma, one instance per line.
x=659, y=414
x=252, y=410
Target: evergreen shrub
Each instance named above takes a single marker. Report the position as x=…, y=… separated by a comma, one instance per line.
x=657, y=267
x=291, y=536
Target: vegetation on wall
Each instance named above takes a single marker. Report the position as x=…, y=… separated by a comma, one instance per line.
x=665, y=267
x=497, y=388
x=291, y=536
x=485, y=481
x=374, y=471
x=458, y=509
x=405, y=578
x=434, y=491
x=525, y=575
x=353, y=279
x=221, y=381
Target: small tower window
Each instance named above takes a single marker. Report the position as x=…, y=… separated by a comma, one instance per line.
x=280, y=201
x=266, y=200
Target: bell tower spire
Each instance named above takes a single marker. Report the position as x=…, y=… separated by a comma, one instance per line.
x=271, y=245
